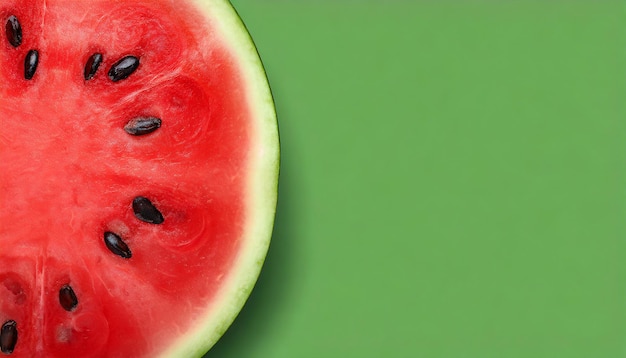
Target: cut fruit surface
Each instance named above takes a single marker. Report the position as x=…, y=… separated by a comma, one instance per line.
x=138, y=173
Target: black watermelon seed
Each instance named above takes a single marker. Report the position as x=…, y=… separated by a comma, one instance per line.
x=117, y=245
x=142, y=125
x=8, y=337
x=30, y=64
x=145, y=211
x=67, y=298
x=14, y=31
x=123, y=68
x=91, y=67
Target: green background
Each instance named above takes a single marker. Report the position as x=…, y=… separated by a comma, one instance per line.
x=452, y=184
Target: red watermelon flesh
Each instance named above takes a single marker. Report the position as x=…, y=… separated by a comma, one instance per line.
x=69, y=173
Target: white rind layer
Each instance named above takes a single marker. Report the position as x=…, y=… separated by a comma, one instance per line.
x=261, y=194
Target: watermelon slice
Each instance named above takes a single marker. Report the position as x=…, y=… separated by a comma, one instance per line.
x=138, y=173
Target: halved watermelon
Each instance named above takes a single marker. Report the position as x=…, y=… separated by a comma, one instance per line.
x=138, y=174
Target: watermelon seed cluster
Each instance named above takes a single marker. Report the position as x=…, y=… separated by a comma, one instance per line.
x=143, y=208
x=14, y=35
x=119, y=71
x=145, y=211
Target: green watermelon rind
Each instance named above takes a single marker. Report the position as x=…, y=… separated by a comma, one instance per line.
x=262, y=186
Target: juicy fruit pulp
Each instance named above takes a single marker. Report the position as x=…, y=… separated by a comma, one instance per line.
x=125, y=149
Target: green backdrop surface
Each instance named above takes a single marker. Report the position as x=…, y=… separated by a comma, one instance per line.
x=452, y=181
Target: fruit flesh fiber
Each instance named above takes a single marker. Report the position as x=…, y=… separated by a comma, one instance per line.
x=70, y=172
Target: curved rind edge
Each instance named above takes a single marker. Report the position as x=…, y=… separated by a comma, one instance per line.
x=262, y=186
